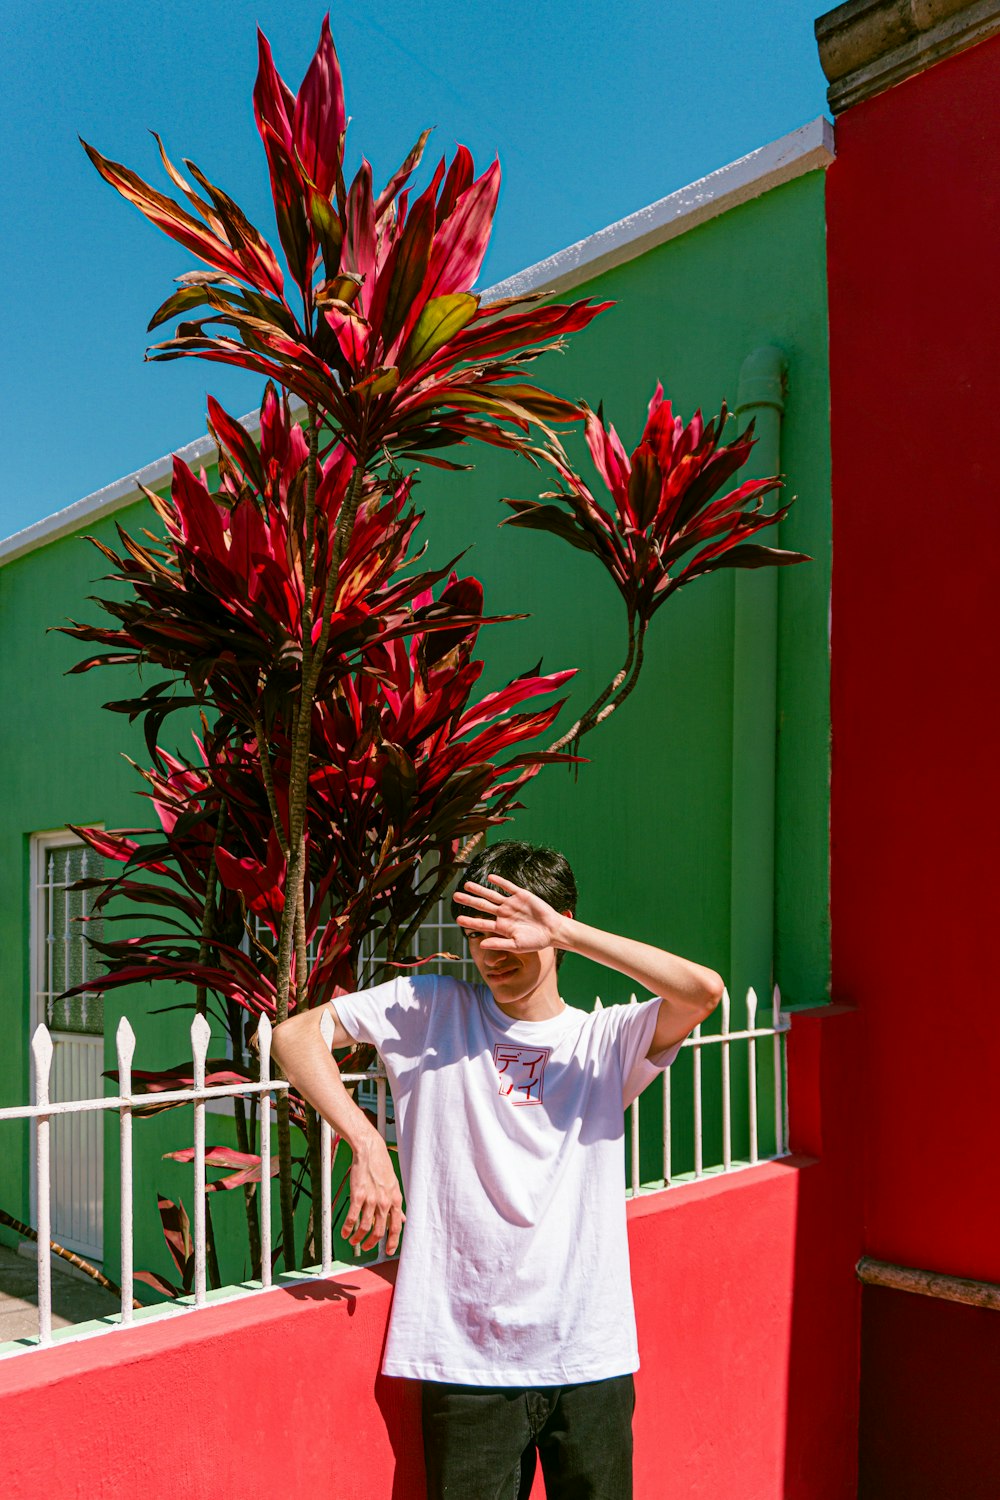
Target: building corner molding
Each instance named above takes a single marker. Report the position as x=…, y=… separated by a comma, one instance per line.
x=866, y=46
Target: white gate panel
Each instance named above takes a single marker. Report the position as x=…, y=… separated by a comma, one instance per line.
x=61, y=959
x=77, y=1155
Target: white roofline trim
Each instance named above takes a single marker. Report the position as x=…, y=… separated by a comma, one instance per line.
x=803, y=150
x=112, y=497
x=807, y=149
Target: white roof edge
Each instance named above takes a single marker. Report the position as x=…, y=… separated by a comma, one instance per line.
x=112, y=497
x=802, y=150
x=806, y=149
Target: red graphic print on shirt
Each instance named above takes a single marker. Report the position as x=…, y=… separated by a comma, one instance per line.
x=521, y=1071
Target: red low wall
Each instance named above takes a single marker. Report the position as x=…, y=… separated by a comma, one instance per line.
x=747, y=1308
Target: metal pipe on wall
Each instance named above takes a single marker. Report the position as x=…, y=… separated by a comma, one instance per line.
x=760, y=394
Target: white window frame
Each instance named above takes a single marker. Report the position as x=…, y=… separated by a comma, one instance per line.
x=41, y=842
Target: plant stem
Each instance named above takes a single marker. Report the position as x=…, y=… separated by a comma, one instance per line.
x=598, y=711
x=630, y=684
x=27, y=1233
x=592, y=716
x=298, y=780
x=208, y=914
x=301, y=946
x=298, y=784
x=309, y=1253
x=264, y=756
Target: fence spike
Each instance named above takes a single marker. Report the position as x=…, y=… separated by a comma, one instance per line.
x=752, y=1072
x=264, y=1030
x=326, y=1031
x=201, y=1035
x=727, y=1087
x=125, y=1048
x=668, y=1163
x=779, y=1121
x=41, y=1053
x=264, y=1054
x=699, y=1137
x=326, y=1207
x=786, y=1138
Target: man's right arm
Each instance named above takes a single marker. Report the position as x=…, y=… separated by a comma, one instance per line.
x=307, y=1062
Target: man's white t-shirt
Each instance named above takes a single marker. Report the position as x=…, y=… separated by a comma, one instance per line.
x=514, y=1265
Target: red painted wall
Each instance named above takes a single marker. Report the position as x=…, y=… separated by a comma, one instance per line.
x=930, y=1399
x=913, y=235
x=747, y=1307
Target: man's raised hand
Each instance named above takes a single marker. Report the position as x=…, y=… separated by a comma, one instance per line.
x=510, y=919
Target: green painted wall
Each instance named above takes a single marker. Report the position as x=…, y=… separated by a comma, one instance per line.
x=646, y=823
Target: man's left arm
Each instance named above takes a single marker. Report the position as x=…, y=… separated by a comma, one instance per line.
x=688, y=991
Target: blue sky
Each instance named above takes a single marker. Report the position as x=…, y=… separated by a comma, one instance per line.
x=594, y=110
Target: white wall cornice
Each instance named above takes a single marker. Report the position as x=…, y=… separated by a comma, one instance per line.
x=807, y=149
x=803, y=150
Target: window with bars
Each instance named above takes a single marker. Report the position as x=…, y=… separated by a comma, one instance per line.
x=63, y=957
x=438, y=933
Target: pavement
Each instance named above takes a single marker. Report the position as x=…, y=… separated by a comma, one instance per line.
x=74, y=1299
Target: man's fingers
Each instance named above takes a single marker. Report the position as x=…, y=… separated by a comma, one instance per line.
x=365, y=1220
x=377, y=1230
x=479, y=902
x=375, y=1206
x=357, y=1203
x=504, y=884
x=395, y=1229
x=477, y=924
x=492, y=895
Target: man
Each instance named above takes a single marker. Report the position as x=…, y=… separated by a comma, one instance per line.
x=513, y=1304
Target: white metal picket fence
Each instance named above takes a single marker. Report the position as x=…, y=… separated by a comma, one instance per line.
x=43, y=1110
x=725, y=1039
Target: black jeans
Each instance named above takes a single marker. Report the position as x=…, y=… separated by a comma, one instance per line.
x=480, y=1441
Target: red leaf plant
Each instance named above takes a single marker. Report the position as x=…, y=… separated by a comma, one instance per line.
x=345, y=761
x=663, y=506
x=390, y=342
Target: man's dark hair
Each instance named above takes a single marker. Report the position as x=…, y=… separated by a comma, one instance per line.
x=544, y=872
